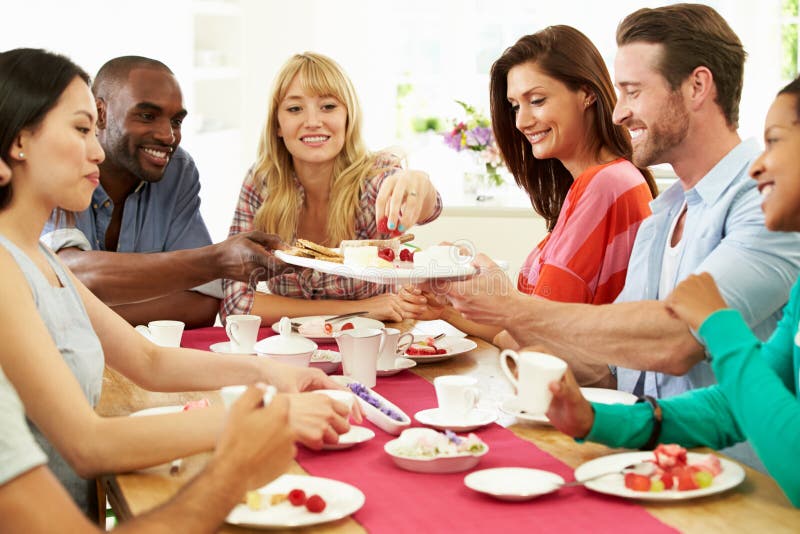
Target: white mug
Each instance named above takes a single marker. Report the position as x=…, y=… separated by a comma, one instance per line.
x=457, y=395
x=359, y=348
x=242, y=331
x=164, y=333
x=394, y=345
x=535, y=370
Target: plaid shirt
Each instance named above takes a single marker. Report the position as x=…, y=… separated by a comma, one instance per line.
x=308, y=283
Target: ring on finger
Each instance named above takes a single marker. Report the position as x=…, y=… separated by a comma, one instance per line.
x=412, y=193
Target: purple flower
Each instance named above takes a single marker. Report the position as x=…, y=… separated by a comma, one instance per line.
x=453, y=140
x=453, y=437
x=479, y=137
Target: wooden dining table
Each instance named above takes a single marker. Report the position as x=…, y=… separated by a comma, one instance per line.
x=757, y=505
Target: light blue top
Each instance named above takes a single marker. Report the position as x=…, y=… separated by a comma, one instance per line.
x=157, y=217
x=724, y=235
x=62, y=311
x=19, y=452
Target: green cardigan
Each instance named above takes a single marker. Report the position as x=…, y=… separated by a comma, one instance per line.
x=757, y=398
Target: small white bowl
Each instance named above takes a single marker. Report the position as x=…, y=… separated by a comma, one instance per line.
x=286, y=347
x=374, y=415
x=435, y=464
x=326, y=360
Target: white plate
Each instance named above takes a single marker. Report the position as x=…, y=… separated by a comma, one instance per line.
x=158, y=410
x=405, y=363
x=513, y=483
x=379, y=275
x=224, y=347
x=326, y=360
x=602, y=395
x=731, y=476
x=438, y=464
x=356, y=434
x=341, y=500
x=358, y=322
x=476, y=419
x=453, y=346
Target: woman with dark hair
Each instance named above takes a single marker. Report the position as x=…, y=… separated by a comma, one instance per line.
x=57, y=336
x=757, y=395
x=551, y=104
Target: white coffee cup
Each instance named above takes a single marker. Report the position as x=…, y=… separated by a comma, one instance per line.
x=164, y=333
x=457, y=395
x=394, y=345
x=535, y=370
x=359, y=348
x=242, y=330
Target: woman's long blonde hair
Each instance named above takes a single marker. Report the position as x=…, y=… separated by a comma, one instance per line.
x=273, y=171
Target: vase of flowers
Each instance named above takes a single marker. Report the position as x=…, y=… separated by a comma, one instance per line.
x=474, y=136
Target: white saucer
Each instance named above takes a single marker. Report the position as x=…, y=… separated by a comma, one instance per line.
x=511, y=407
x=513, y=483
x=476, y=419
x=224, y=347
x=356, y=434
x=401, y=364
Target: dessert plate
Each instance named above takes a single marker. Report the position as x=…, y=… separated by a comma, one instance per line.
x=453, y=346
x=600, y=395
x=477, y=418
x=358, y=322
x=326, y=360
x=341, y=499
x=614, y=484
x=224, y=347
x=401, y=364
x=513, y=483
x=382, y=275
x=356, y=434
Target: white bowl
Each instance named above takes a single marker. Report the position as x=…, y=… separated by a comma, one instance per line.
x=326, y=360
x=435, y=464
x=374, y=415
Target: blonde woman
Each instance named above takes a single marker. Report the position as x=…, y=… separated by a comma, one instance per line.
x=315, y=179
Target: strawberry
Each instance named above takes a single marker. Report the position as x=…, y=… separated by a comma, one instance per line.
x=406, y=255
x=315, y=504
x=637, y=482
x=328, y=328
x=667, y=479
x=686, y=480
x=386, y=253
x=193, y=405
x=297, y=497
x=709, y=463
x=441, y=351
x=420, y=350
x=383, y=227
x=347, y=326
x=670, y=456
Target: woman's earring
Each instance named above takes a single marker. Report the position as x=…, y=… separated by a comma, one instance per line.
x=22, y=155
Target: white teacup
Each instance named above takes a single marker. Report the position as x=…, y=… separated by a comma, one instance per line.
x=230, y=394
x=242, y=330
x=394, y=345
x=535, y=370
x=457, y=395
x=164, y=333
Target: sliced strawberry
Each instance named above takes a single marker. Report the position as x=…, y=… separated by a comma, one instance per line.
x=670, y=455
x=406, y=255
x=328, y=328
x=667, y=479
x=709, y=463
x=347, y=326
x=387, y=254
x=383, y=227
x=686, y=480
x=637, y=482
x=194, y=405
x=441, y=351
x=315, y=504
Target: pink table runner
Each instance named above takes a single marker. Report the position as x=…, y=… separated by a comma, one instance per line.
x=402, y=501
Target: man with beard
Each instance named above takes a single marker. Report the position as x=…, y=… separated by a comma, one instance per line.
x=679, y=73
x=142, y=246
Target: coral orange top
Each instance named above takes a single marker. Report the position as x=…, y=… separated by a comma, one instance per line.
x=585, y=257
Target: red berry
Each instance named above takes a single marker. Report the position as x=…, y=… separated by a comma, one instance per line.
x=406, y=255
x=315, y=504
x=383, y=227
x=441, y=351
x=297, y=497
x=667, y=479
x=637, y=482
x=347, y=326
x=386, y=253
x=328, y=328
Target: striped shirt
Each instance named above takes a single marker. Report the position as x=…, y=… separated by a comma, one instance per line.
x=585, y=257
x=307, y=283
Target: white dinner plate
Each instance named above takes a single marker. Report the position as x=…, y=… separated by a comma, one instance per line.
x=356, y=434
x=382, y=275
x=601, y=395
x=358, y=322
x=224, y=347
x=341, y=500
x=477, y=418
x=731, y=476
x=401, y=364
x=453, y=346
x=513, y=483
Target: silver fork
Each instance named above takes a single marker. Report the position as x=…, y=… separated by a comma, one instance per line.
x=341, y=317
x=627, y=469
